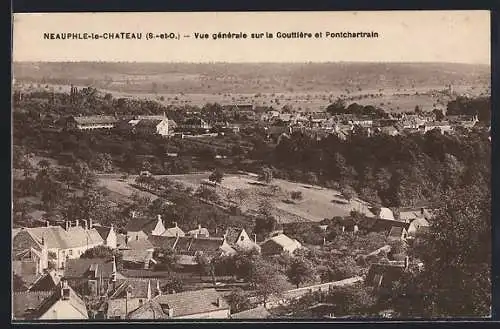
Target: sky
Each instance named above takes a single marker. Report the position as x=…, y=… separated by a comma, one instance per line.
x=403, y=36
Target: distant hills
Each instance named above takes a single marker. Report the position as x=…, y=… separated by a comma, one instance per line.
x=252, y=78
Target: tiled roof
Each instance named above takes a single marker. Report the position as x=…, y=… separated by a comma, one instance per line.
x=141, y=244
x=95, y=119
x=80, y=267
x=138, y=287
x=41, y=301
x=162, y=242
x=206, y=245
x=284, y=241
x=183, y=304
x=150, y=117
x=255, y=313
x=183, y=243
x=58, y=238
x=141, y=224
x=193, y=302
x=149, y=124
x=139, y=256
x=173, y=232
x=24, y=301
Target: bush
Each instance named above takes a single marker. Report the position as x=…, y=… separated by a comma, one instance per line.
x=296, y=195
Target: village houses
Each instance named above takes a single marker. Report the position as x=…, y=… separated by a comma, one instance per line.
x=61, y=243
x=198, y=304
x=62, y=303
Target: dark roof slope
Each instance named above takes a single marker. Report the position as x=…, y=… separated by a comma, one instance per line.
x=383, y=275
x=149, y=124
x=141, y=224
x=162, y=242
x=103, y=231
x=25, y=303
x=232, y=234
x=80, y=267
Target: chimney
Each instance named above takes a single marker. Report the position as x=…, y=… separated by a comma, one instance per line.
x=77, y=222
x=158, y=290
x=407, y=262
x=217, y=302
x=67, y=225
x=86, y=224
x=113, y=274
x=255, y=238
x=175, y=224
x=91, y=225
x=159, y=218
x=149, y=290
x=65, y=292
x=199, y=227
x=47, y=223
x=126, y=239
x=133, y=213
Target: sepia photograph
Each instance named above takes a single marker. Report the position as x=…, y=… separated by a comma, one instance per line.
x=265, y=166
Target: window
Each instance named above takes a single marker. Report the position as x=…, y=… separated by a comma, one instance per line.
x=242, y=238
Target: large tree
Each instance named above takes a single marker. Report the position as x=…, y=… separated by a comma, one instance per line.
x=216, y=176
x=455, y=279
x=238, y=301
x=267, y=280
x=300, y=270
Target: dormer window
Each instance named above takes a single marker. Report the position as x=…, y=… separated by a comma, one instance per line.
x=242, y=238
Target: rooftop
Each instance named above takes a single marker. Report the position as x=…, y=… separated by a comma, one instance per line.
x=56, y=237
x=255, y=313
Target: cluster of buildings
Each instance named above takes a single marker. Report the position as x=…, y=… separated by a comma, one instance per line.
x=322, y=124
x=58, y=284
x=276, y=122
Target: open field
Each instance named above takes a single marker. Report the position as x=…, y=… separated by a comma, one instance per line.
x=303, y=87
x=317, y=202
x=120, y=190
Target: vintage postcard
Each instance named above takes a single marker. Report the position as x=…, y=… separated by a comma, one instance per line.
x=251, y=165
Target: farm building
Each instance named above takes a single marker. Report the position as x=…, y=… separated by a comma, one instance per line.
x=90, y=122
